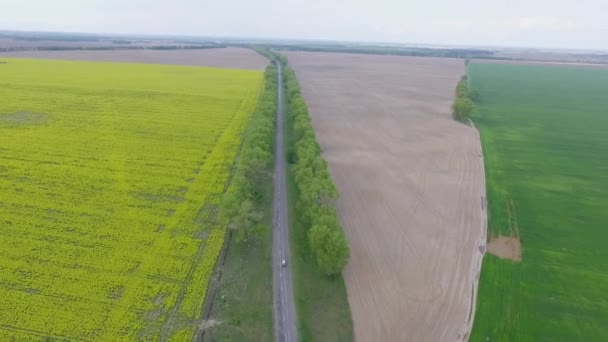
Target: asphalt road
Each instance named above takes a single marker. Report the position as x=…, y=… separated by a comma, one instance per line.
x=284, y=308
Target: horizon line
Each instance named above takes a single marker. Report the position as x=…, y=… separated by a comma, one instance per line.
x=229, y=38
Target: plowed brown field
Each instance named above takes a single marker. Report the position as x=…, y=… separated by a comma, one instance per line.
x=412, y=185
x=237, y=58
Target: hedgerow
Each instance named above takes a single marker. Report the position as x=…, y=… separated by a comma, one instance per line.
x=317, y=194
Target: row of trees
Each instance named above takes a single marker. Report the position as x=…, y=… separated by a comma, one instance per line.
x=388, y=50
x=463, y=103
x=241, y=205
x=273, y=56
x=317, y=194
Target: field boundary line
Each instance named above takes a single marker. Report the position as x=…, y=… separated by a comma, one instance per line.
x=215, y=280
x=211, y=294
x=173, y=316
x=482, y=240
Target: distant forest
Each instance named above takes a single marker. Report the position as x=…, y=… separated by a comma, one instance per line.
x=392, y=50
x=99, y=42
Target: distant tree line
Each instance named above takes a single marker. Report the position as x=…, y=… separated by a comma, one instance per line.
x=183, y=47
x=390, y=50
x=122, y=46
x=317, y=194
x=241, y=206
x=266, y=52
x=54, y=38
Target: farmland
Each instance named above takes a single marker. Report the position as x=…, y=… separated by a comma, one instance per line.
x=410, y=183
x=110, y=175
x=217, y=58
x=543, y=131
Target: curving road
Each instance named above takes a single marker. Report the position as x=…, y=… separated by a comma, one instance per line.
x=284, y=309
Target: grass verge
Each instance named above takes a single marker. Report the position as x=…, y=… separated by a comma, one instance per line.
x=242, y=310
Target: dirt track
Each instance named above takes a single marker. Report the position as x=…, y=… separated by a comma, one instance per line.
x=411, y=185
x=221, y=58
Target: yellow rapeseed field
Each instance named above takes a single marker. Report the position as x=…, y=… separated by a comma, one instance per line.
x=109, y=179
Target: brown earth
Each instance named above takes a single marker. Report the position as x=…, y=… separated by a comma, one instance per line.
x=239, y=58
x=12, y=44
x=412, y=190
x=505, y=247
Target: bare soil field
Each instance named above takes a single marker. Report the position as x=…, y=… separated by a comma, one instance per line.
x=412, y=190
x=7, y=43
x=505, y=247
x=32, y=42
x=239, y=58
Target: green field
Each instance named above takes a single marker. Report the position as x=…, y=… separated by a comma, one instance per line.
x=544, y=132
x=109, y=179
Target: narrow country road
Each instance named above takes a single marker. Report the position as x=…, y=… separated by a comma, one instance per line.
x=284, y=309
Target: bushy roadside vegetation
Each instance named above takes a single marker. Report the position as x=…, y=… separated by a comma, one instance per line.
x=264, y=51
x=243, y=300
x=240, y=205
x=317, y=194
x=322, y=304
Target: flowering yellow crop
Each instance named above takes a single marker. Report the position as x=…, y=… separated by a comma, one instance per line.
x=110, y=175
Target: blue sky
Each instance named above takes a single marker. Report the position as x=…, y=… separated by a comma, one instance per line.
x=532, y=23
